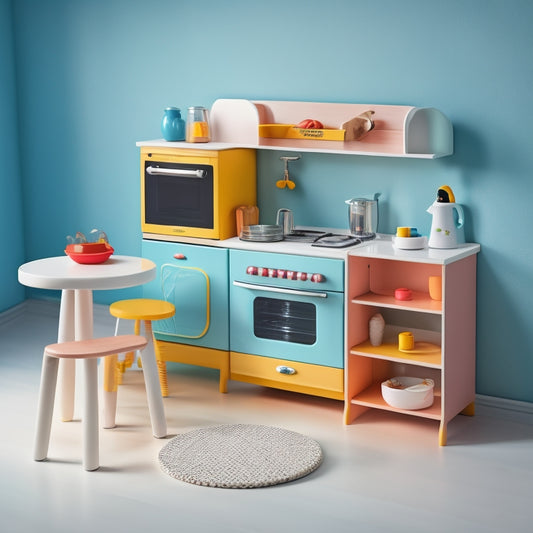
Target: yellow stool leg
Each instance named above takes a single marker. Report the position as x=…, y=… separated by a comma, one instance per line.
x=162, y=370
x=163, y=381
x=137, y=330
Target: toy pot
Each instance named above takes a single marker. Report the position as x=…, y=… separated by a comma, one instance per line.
x=363, y=217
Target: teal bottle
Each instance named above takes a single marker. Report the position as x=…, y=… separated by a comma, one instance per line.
x=172, y=125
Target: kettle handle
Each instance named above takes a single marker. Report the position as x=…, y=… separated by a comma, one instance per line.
x=461, y=216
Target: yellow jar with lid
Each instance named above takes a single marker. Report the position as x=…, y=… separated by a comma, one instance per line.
x=197, y=125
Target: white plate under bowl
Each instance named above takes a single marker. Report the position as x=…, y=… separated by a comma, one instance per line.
x=403, y=398
x=409, y=243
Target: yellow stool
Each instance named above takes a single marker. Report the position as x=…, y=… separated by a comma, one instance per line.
x=139, y=309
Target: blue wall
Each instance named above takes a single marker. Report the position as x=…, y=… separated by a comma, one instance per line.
x=11, y=222
x=94, y=76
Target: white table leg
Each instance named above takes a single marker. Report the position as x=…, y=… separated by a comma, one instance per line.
x=84, y=314
x=153, y=389
x=67, y=368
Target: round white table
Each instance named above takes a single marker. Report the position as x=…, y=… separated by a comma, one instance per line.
x=76, y=283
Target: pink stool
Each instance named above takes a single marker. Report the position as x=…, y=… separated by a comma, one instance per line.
x=88, y=350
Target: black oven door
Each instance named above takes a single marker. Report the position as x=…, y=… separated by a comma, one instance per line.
x=179, y=194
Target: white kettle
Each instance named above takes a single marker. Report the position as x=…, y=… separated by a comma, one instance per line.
x=448, y=220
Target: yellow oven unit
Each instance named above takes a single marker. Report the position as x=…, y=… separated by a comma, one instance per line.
x=194, y=193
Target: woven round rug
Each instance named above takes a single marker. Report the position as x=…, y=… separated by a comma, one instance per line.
x=240, y=456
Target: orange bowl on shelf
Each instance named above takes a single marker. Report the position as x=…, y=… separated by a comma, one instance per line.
x=91, y=253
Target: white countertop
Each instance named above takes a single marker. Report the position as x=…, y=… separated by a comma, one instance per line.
x=381, y=247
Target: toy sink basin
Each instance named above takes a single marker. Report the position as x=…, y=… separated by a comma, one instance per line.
x=89, y=253
x=408, y=393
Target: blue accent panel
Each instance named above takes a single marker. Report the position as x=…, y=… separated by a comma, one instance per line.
x=187, y=289
x=185, y=284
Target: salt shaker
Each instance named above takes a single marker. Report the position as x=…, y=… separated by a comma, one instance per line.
x=376, y=327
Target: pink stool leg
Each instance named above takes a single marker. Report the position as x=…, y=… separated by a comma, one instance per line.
x=90, y=415
x=110, y=391
x=153, y=388
x=45, y=407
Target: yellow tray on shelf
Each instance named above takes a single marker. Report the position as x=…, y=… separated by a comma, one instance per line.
x=352, y=130
x=289, y=131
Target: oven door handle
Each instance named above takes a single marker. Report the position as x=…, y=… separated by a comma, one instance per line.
x=266, y=288
x=177, y=172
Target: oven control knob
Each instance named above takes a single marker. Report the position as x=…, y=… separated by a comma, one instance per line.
x=262, y=271
x=272, y=273
x=318, y=278
x=282, y=273
x=251, y=270
x=291, y=274
x=301, y=276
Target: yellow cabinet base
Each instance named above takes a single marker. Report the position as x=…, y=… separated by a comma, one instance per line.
x=316, y=380
x=299, y=377
x=191, y=355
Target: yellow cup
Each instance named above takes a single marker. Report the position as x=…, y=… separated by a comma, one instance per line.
x=435, y=287
x=402, y=231
x=406, y=341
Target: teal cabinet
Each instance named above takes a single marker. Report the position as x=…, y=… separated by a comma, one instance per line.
x=195, y=279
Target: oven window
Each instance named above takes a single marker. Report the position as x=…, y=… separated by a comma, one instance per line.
x=285, y=320
x=172, y=200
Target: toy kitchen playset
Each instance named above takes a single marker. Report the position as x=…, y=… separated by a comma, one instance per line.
x=375, y=321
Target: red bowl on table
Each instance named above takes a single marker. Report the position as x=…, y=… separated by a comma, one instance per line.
x=89, y=253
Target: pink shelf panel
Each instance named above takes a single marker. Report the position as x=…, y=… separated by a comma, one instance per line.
x=420, y=302
x=425, y=354
x=371, y=397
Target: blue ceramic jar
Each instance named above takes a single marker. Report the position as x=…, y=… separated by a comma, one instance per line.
x=172, y=125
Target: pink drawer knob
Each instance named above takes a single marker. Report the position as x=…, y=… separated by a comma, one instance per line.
x=179, y=256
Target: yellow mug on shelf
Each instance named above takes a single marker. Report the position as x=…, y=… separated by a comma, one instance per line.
x=406, y=341
x=435, y=287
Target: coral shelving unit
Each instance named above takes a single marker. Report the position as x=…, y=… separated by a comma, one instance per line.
x=400, y=130
x=444, y=330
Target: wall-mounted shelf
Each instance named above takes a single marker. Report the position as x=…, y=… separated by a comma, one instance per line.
x=400, y=131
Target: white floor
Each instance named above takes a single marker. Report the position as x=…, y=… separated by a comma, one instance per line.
x=385, y=473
